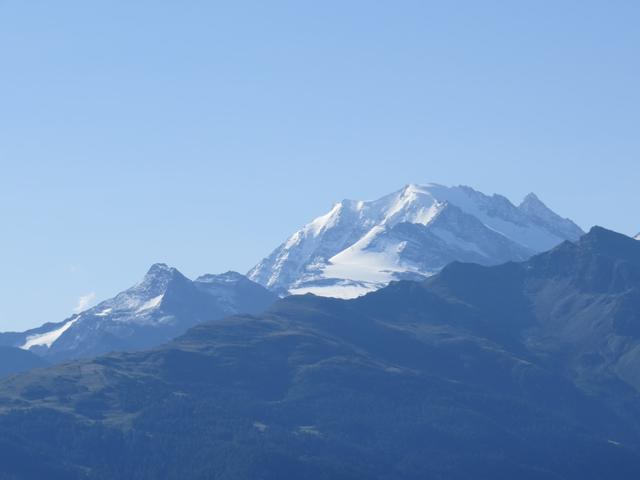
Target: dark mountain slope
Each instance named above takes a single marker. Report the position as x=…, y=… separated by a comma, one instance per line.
x=517, y=371
x=15, y=360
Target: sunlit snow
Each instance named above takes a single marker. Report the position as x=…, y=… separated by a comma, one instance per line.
x=152, y=303
x=360, y=246
x=47, y=339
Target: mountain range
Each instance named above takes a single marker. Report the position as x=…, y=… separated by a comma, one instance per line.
x=413, y=233
x=162, y=306
x=526, y=370
x=355, y=248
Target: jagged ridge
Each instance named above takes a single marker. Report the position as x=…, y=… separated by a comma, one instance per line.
x=360, y=246
x=163, y=305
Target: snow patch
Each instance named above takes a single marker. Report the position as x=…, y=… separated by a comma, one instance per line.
x=261, y=427
x=335, y=291
x=49, y=338
x=150, y=304
x=359, y=246
x=309, y=430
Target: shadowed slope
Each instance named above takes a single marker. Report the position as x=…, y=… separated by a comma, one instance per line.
x=517, y=371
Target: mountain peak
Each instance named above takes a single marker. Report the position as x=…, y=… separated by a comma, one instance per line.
x=533, y=205
x=603, y=238
x=538, y=212
x=160, y=269
x=227, y=277
x=603, y=234
x=161, y=273
x=161, y=306
x=531, y=199
x=360, y=246
x=417, y=188
x=157, y=281
x=603, y=243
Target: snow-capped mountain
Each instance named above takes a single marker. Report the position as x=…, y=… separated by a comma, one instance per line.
x=360, y=246
x=637, y=237
x=163, y=305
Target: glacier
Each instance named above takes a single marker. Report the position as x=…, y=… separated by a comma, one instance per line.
x=360, y=246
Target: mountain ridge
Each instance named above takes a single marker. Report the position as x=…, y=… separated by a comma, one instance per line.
x=523, y=370
x=161, y=306
x=360, y=246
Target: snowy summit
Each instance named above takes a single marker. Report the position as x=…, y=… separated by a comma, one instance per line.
x=360, y=246
x=160, y=307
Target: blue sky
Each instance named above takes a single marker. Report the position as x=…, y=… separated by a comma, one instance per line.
x=203, y=133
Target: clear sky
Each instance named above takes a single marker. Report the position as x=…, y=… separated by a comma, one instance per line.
x=203, y=133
